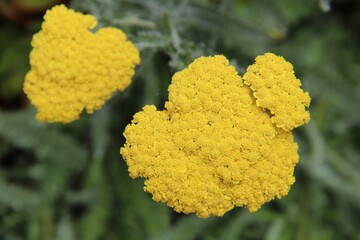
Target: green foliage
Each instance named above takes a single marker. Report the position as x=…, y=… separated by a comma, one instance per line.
x=69, y=181
x=14, y=60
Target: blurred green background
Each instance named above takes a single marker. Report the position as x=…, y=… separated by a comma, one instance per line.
x=69, y=181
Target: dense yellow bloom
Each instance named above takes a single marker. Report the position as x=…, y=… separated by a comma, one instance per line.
x=73, y=68
x=212, y=148
x=277, y=90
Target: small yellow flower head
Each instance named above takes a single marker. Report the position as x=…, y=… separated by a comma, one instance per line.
x=73, y=68
x=277, y=90
x=212, y=148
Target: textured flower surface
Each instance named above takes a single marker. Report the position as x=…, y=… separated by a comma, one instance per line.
x=278, y=90
x=212, y=148
x=73, y=69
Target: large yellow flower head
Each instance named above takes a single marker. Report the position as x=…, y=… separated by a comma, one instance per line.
x=213, y=147
x=73, y=69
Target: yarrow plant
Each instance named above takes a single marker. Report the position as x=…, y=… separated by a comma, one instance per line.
x=73, y=68
x=221, y=141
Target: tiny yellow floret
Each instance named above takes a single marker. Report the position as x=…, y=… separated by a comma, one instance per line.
x=212, y=147
x=73, y=69
x=277, y=90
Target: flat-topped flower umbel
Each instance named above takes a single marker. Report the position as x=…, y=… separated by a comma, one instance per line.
x=214, y=147
x=73, y=69
x=276, y=89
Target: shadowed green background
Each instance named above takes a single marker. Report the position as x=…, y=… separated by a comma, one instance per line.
x=69, y=182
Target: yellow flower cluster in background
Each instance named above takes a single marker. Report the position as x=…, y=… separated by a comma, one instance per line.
x=73, y=69
x=276, y=89
x=214, y=147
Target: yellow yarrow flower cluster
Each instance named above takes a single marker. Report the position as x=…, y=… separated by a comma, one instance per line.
x=212, y=147
x=73, y=69
x=278, y=90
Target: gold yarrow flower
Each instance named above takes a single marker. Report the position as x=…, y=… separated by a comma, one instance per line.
x=214, y=147
x=277, y=89
x=73, y=69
